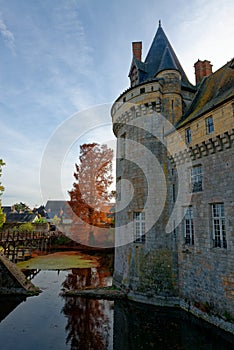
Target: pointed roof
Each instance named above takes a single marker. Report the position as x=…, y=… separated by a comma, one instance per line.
x=161, y=56
x=167, y=61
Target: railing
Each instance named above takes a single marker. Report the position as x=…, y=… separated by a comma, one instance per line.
x=18, y=245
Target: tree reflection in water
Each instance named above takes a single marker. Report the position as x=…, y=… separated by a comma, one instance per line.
x=89, y=322
x=86, y=278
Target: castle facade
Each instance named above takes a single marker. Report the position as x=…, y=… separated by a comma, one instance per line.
x=175, y=184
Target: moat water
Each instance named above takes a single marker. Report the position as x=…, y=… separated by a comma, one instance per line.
x=51, y=321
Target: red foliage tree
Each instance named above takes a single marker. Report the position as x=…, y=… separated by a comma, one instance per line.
x=90, y=196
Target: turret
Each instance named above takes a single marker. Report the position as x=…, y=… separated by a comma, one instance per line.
x=171, y=95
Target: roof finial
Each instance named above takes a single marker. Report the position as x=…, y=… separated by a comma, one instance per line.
x=159, y=23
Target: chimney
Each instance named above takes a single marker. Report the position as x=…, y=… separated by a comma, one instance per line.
x=137, y=49
x=202, y=69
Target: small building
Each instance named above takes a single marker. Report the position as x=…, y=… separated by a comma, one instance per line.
x=14, y=217
x=59, y=209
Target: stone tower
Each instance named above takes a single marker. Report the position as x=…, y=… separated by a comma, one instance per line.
x=146, y=250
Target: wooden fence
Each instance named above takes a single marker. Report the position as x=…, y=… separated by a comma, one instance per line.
x=18, y=245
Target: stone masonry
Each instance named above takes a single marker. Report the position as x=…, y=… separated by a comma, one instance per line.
x=175, y=201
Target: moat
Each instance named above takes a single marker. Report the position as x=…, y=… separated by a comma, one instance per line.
x=53, y=321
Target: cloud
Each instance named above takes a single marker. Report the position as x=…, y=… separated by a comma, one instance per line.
x=7, y=35
x=204, y=31
x=62, y=150
x=76, y=54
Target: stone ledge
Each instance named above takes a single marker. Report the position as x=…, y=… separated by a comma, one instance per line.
x=155, y=300
x=212, y=319
x=115, y=294
x=96, y=293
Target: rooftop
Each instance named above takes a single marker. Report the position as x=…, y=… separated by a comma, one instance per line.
x=161, y=56
x=212, y=91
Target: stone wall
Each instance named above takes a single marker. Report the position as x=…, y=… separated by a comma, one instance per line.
x=162, y=269
x=147, y=268
x=206, y=273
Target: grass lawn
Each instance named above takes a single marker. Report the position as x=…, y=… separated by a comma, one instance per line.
x=59, y=261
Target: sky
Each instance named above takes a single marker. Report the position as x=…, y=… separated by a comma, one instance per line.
x=64, y=62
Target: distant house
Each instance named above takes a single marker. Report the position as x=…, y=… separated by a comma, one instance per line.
x=58, y=208
x=20, y=217
x=6, y=209
x=41, y=211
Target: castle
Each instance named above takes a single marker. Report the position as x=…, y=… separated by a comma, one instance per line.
x=175, y=184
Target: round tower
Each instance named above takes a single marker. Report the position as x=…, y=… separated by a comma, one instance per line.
x=146, y=252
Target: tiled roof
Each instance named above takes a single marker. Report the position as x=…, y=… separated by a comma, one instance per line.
x=20, y=217
x=59, y=208
x=6, y=209
x=213, y=90
x=140, y=65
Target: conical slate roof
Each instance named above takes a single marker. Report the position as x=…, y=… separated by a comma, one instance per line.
x=161, y=56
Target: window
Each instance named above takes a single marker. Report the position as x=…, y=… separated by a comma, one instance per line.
x=218, y=225
x=188, y=135
x=173, y=193
x=139, y=226
x=142, y=90
x=196, y=178
x=188, y=226
x=118, y=188
x=209, y=125
x=134, y=77
x=122, y=144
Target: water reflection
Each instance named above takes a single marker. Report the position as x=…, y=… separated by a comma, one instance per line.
x=8, y=304
x=89, y=323
x=87, y=278
x=139, y=326
x=83, y=324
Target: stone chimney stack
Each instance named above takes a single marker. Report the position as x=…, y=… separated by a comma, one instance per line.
x=137, y=49
x=202, y=69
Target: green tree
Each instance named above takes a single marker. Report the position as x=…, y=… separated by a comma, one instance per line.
x=56, y=220
x=26, y=227
x=21, y=207
x=40, y=220
x=2, y=215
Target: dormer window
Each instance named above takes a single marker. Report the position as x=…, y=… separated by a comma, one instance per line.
x=134, y=76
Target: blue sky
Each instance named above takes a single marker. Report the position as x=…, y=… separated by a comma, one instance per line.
x=60, y=59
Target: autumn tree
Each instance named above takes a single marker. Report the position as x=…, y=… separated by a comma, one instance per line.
x=2, y=215
x=21, y=207
x=91, y=189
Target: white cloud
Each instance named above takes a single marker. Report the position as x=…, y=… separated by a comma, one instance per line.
x=75, y=54
x=205, y=31
x=7, y=35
